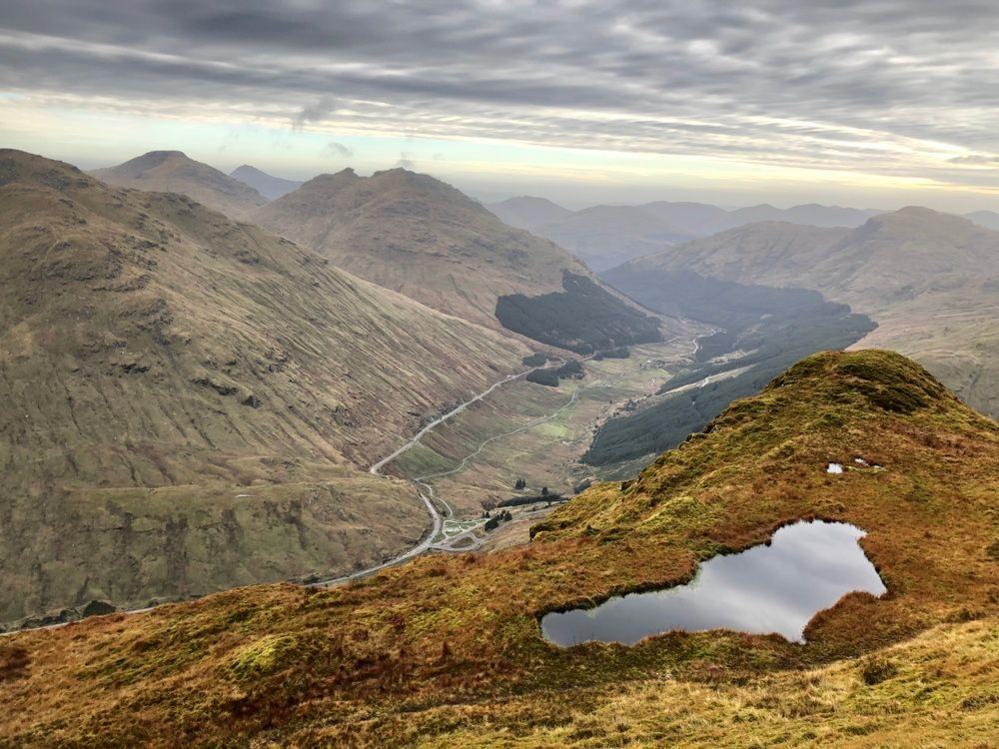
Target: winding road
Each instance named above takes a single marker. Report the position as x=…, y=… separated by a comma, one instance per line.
x=426, y=491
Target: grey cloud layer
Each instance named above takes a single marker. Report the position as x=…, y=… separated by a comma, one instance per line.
x=824, y=84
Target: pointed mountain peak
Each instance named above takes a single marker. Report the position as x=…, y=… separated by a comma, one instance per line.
x=174, y=171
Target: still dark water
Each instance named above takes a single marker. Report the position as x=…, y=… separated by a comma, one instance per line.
x=778, y=588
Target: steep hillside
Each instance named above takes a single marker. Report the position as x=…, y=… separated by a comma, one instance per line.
x=187, y=402
x=447, y=651
x=173, y=171
x=269, y=186
x=416, y=235
x=527, y=212
x=930, y=280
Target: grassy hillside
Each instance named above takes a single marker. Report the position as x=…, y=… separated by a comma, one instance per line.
x=448, y=651
x=421, y=237
x=414, y=234
x=149, y=343
x=684, y=405
x=173, y=171
x=930, y=281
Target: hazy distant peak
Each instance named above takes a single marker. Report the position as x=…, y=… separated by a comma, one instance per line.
x=988, y=219
x=268, y=185
x=174, y=171
x=528, y=211
x=532, y=203
x=918, y=218
x=530, y=200
x=163, y=154
x=918, y=211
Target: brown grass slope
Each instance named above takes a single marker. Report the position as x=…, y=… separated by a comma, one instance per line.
x=147, y=343
x=174, y=171
x=929, y=279
x=421, y=237
x=447, y=651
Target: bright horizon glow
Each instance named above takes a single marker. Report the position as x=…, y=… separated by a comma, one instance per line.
x=868, y=107
x=489, y=170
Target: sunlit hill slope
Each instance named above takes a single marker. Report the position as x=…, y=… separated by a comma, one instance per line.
x=188, y=403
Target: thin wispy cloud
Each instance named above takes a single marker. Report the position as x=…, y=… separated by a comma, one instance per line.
x=338, y=149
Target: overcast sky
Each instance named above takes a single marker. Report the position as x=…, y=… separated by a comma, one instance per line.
x=881, y=103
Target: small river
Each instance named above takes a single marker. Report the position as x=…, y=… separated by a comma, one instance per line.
x=770, y=588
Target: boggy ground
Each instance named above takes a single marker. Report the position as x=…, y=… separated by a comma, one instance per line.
x=447, y=651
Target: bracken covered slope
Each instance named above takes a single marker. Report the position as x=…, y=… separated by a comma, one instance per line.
x=177, y=392
x=174, y=171
x=447, y=651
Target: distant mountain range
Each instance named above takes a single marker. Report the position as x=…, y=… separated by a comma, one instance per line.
x=269, y=186
x=527, y=212
x=605, y=236
x=930, y=280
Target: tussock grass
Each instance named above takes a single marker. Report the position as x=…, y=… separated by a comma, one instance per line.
x=447, y=651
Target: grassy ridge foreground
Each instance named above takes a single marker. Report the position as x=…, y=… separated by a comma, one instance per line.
x=446, y=651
